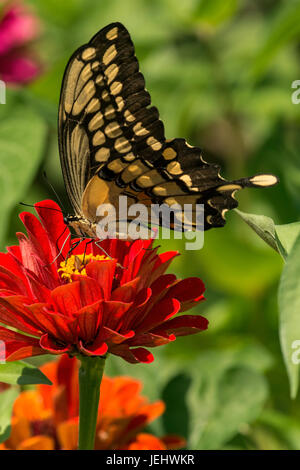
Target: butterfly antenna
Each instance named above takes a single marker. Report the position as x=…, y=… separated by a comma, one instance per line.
x=52, y=188
x=42, y=207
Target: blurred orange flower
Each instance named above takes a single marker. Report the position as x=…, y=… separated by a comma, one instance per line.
x=47, y=418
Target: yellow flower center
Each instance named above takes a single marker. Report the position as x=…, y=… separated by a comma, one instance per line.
x=76, y=264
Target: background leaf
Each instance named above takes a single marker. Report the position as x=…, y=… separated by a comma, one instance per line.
x=289, y=308
x=228, y=397
x=7, y=399
x=22, y=373
x=22, y=137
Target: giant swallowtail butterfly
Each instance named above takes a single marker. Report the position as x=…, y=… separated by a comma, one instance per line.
x=112, y=141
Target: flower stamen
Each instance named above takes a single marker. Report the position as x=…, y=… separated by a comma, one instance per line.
x=76, y=264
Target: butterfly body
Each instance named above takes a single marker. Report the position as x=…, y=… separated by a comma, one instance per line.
x=112, y=142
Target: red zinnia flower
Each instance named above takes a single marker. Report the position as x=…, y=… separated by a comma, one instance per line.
x=81, y=301
x=47, y=418
x=18, y=27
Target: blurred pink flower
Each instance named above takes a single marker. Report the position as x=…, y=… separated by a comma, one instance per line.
x=18, y=28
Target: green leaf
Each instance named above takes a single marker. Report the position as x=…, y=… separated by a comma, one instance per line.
x=289, y=308
x=287, y=235
x=22, y=134
x=285, y=28
x=226, y=404
x=279, y=237
x=176, y=418
x=215, y=12
x=22, y=373
x=7, y=399
x=263, y=226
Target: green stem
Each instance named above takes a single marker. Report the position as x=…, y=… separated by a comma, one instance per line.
x=90, y=376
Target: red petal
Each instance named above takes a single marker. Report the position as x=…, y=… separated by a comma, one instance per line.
x=126, y=292
x=58, y=326
x=13, y=312
x=150, y=340
x=97, y=348
x=38, y=246
x=103, y=273
x=158, y=314
x=163, y=262
x=49, y=345
x=53, y=221
x=134, y=356
x=183, y=325
x=113, y=337
x=72, y=297
x=113, y=314
x=89, y=319
x=188, y=291
x=19, y=346
x=35, y=260
x=11, y=274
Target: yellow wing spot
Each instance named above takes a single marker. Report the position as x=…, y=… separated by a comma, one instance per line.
x=160, y=191
x=105, y=95
x=209, y=219
x=153, y=143
x=102, y=154
x=89, y=53
x=187, y=180
x=117, y=166
x=112, y=34
x=86, y=73
x=98, y=138
x=122, y=145
x=169, y=153
x=171, y=187
x=71, y=84
x=128, y=116
x=96, y=122
x=111, y=72
x=120, y=103
x=224, y=212
x=229, y=187
x=139, y=129
x=133, y=171
x=93, y=106
x=99, y=80
x=110, y=112
x=115, y=88
x=84, y=97
x=151, y=178
x=171, y=201
x=113, y=130
x=109, y=54
x=129, y=157
x=264, y=180
x=174, y=168
x=95, y=66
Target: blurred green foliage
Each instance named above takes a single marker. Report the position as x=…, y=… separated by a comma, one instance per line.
x=220, y=72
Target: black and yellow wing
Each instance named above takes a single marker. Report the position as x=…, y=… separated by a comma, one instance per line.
x=112, y=141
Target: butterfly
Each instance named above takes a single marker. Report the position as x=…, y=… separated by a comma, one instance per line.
x=112, y=142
